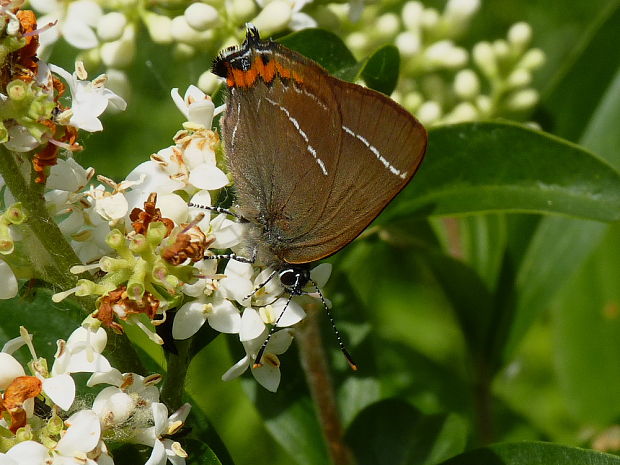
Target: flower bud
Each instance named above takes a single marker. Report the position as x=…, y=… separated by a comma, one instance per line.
x=387, y=25
x=274, y=17
x=484, y=57
x=519, y=78
x=466, y=84
x=522, y=100
x=120, y=53
x=532, y=59
x=412, y=101
x=461, y=10
x=159, y=27
x=110, y=27
x=445, y=54
x=429, y=112
x=484, y=104
x=520, y=34
x=411, y=15
x=208, y=82
x=17, y=90
x=182, y=32
x=241, y=10
x=357, y=41
x=183, y=51
x=463, y=112
x=201, y=16
x=408, y=43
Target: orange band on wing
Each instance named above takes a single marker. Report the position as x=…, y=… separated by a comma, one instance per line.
x=266, y=71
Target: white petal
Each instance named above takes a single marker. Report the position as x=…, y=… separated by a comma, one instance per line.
x=293, y=313
x=12, y=345
x=8, y=282
x=60, y=389
x=236, y=288
x=252, y=325
x=82, y=435
x=160, y=418
x=83, y=362
x=229, y=235
x=79, y=34
x=189, y=319
x=96, y=339
x=6, y=460
x=158, y=455
x=113, y=207
x=29, y=453
x=45, y=6
x=173, y=206
x=181, y=414
x=280, y=341
x=113, y=406
x=320, y=274
x=208, y=177
x=237, y=369
x=267, y=376
x=224, y=317
x=179, y=102
x=88, y=11
x=113, y=377
x=10, y=369
x=201, y=112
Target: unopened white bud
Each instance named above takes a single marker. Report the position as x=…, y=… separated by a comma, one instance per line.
x=183, y=51
x=520, y=34
x=429, y=112
x=120, y=53
x=159, y=27
x=429, y=18
x=461, y=113
x=387, y=25
x=466, y=84
x=532, y=59
x=357, y=41
x=274, y=17
x=182, y=32
x=484, y=105
x=118, y=83
x=241, y=10
x=208, y=82
x=412, y=15
x=461, y=9
x=484, y=57
x=522, y=100
x=518, y=78
x=445, y=54
x=408, y=43
x=201, y=16
x=110, y=26
x=412, y=101
x=501, y=49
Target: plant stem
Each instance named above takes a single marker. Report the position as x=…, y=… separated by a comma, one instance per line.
x=314, y=364
x=49, y=252
x=483, y=401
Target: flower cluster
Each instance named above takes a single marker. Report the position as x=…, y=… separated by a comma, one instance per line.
x=59, y=430
x=441, y=82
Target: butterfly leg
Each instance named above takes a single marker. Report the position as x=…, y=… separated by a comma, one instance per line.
x=219, y=210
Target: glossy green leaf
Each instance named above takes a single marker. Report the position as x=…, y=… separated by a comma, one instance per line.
x=380, y=71
x=392, y=432
x=485, y=167
x=532, y=453
x=199, y=453
x=581, y=87
x=324, y=47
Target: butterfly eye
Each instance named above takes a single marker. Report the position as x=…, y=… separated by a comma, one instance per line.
x=289, y=277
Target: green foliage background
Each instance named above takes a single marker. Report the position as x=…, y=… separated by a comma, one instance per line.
x=483, y=306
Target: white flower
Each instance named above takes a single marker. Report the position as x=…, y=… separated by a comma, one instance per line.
x=26, y=453
x=8, y=281
x=89, y=99
x=164, y=425
x=268, y=374
x=221, y=314
x=76, y=23
x=195, y=105
x=82, y=351
x=10, y=369
x=82, y=436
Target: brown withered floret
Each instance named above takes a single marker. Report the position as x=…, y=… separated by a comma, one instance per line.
x=118, y=304
x=142, y=218
x=21, y=389
x=191, y=244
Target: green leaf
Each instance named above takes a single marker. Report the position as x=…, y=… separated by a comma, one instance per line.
x=392, y=432
x=582, y=84
x=199, y=453
x=324, y=47
x=380, y=71
x=532, y=453
x=587, y=336
x=486, y=167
